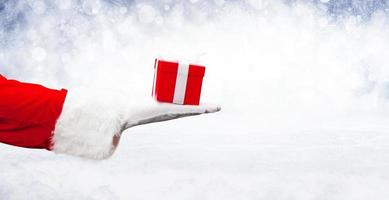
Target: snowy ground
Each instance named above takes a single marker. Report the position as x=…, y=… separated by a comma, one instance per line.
x=163, y=161
x=303, y=86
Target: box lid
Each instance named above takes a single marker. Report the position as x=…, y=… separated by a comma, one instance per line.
x=171, y=67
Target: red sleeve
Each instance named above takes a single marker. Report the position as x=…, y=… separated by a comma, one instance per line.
x=28, y=113
x=2, y=78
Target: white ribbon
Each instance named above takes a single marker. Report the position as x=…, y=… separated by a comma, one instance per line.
x=180, y=89
x=155, y=77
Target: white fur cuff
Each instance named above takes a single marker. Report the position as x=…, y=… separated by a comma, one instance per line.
x=86, y=127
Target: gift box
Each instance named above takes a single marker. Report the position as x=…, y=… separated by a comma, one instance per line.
x=176, y=82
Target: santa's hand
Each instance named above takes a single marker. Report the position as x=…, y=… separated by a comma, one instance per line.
x=157, y=112
x=91, y=123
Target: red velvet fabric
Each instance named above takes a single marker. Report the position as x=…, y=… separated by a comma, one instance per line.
x=28, y=113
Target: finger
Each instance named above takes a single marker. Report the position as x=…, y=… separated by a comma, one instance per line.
x=163, y=108
x=164, y=111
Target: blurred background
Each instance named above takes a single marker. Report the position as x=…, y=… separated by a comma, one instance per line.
x=267, y=54
x=304, y=86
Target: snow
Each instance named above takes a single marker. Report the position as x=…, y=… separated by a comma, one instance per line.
x=304, y=99
x=91, y=7
x=123, y=10
x=39, y=54
x=39, y=7
x=64, y=4
x=146, y=13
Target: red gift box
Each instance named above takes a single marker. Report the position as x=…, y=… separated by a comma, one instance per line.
x=177, y=83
